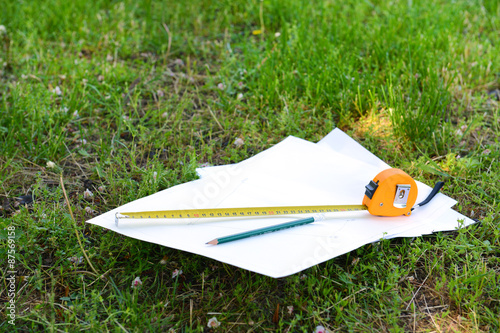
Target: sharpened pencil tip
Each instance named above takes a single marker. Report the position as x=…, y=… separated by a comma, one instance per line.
x=213, y=242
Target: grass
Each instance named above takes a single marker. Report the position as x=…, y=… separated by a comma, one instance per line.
x=113, y=91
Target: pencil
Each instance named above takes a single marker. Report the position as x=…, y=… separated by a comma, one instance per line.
x=261, y=231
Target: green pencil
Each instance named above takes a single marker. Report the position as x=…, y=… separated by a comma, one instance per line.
x=265, y=230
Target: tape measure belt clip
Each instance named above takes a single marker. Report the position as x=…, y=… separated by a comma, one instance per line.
x=402, y=194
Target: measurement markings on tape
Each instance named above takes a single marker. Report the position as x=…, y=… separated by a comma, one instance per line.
x=240, y=212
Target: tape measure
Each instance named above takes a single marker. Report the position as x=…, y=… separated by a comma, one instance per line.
x=391, y=193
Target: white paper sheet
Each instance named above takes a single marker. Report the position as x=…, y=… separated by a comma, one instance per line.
x=293, y=172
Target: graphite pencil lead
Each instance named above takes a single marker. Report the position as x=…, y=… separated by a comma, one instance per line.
x=213, y=242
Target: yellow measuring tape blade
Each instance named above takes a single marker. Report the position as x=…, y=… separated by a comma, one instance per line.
x=240, y=212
